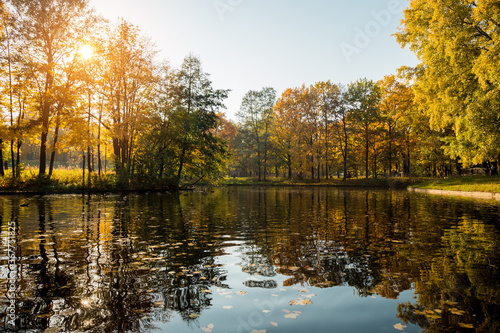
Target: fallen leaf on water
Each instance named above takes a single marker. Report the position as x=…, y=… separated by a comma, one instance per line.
x=208, y=329
x=194, y=315
x=286, y=311
x=240, y=292
x=292, y=315
x=300, y=302
x=206, y=291
x=310, y=295
x=304, y=302
x=258, y=331
x=465, y=325
x=266, y=311
x=274, y=324
x=227, y=307
x=399, y=326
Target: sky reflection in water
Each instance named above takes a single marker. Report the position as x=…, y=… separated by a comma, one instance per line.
x=251, y=259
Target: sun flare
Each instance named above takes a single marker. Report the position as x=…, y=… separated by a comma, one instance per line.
x=86, y=51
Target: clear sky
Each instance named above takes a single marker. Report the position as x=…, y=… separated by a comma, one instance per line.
x=249, y=44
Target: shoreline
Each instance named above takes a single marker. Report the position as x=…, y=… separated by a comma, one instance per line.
x=466, y=194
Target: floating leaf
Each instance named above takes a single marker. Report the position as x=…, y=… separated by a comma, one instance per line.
x=274, y=324
x=206, y=291
x=464, y=325
x=266, y=311
x=208, y=329
x=310, y=295
x=227, y=307
x=399, y=326
x=292, y=315
x=194, y=315
x=240, y=292
x=304, y=302
x=258, y=331
x=300, y=301
x=286, y=311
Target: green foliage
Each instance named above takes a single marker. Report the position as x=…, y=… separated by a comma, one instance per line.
x=457, y=82
x=181, y=143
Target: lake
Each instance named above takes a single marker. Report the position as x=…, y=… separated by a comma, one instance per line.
x=250, y=259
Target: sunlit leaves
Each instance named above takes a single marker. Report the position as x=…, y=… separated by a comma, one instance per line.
x=456, y=84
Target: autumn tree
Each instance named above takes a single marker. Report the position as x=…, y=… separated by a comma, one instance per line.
x=255, y=115
x=329, y=102
x=50, y=33
x=363, y=97
x=396, y=106
x=127, y=82
x=284, y=135
x=457, y=81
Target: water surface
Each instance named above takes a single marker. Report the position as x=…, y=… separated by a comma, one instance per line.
x=243, y=259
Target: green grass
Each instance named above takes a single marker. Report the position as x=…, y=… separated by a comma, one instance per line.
x=352, y=182
x=479, y=183
x=62, y=180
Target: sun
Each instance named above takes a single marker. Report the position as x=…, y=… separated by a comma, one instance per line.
x=86, y=51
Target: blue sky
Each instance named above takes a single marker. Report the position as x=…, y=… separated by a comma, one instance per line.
x=250, y=44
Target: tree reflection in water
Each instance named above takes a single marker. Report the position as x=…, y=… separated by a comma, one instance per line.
x=106, y=264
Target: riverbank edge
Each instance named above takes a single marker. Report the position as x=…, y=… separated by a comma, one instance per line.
x=468, y=194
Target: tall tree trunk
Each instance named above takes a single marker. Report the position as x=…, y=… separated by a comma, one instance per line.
x=181, y=163
x=289, y=166
x=43, y=149
x=265, y=154
x=390, y=150
x=2, y=172
x=17, y=169
x=53, y=153
x=10, y=104
x=366, y=153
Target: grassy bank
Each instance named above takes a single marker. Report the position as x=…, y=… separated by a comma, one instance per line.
x=399, y=183
x=478, y=183
x=62, y=180
x=69, y=180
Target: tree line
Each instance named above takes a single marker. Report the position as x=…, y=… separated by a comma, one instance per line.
x=327, y=130
x=72, y=81
x=434, y=119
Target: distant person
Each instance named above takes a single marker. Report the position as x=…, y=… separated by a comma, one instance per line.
x=493, y=170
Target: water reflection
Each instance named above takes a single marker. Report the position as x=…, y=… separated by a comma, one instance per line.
x=135, y=263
